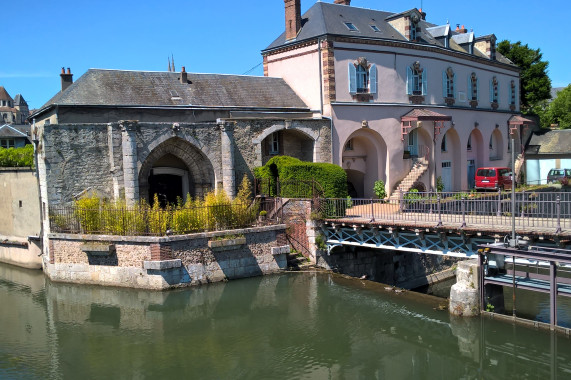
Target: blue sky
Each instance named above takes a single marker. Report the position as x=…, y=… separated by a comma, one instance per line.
x=221, y=36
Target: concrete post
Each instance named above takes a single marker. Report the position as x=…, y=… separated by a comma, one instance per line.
x=130, y=170
x=228, y=171
x=464, y=295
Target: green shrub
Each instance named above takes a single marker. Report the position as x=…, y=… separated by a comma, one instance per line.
x=379, y=189
x=439, y=184
x=331, y=178
x=17, y=157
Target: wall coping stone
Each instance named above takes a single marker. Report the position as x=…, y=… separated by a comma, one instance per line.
x=98, y=249
x=163, y=239
x=162, y=264
x=281, y=250
x=226, y=244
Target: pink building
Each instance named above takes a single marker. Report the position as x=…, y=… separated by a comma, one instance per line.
x=410, y=101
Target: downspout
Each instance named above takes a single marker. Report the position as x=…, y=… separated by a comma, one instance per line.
x=36, y=141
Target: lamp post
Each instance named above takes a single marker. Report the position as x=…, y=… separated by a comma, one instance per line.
x=514, y=241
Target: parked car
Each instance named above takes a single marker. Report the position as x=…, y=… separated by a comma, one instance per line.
x=555, y=175
x=493, y=178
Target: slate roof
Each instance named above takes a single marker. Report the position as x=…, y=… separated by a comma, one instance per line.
x=151, y=88
x=15, y=131
x=19, y=100
x=328, y=18
x=4, y=94
x=550, y=142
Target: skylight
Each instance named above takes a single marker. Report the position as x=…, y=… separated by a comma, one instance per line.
x=351, y=27
x=374, y=27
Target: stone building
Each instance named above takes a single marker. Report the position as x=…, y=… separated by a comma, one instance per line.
x=12, y=111
x=409, y=100
x=138, y=133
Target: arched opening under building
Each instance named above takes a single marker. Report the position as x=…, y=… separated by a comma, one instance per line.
x=496, y=145
x=288, y=142
x=475, y=155
x=173, y=170
x=449, y=158
x=364, y=160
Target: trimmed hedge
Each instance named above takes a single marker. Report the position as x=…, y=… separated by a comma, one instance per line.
x=17, y=157
x=332, y=178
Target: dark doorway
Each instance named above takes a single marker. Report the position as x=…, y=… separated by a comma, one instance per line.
x=168, y=188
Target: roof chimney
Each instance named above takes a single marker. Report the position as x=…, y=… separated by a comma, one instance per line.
x=343, y=2
x=66, y=79
x=422, y=14
x=183, y=76
x=461, y=30
x=292, y=18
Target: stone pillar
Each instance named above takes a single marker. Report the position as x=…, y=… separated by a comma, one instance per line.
x=130, y=171
x=227, y=148
x=465, y=294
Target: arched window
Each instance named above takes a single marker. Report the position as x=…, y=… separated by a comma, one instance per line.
x=494, y=89
x=362, y=77
x=473, y=87
x=449, y=83
x=416, y=80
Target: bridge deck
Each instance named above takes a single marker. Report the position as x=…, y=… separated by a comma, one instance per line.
x=389, y=215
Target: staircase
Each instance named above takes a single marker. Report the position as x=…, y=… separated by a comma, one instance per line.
x=419, y=167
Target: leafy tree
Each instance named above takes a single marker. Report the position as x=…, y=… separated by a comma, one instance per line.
x=559, y=111
x=535, y=84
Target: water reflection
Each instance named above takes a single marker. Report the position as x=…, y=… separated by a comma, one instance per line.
x=284, y=326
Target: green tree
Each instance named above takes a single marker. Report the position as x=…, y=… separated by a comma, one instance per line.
x=535, y=84
x=559, y=111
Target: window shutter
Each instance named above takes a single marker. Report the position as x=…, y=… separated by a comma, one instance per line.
x=478, y=89
x=470, y=88
x=515, y=95
x=373, y=79
x=491, y=91
x=444, y=83
x=424, y=86
x=352, y=78
x=454, y=85
x=409, y=81
x=499, y=97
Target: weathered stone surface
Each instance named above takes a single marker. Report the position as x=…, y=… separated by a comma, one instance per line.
x=465, y=294
x=162, y=264
x=281, y=250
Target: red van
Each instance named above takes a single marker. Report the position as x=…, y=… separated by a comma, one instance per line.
x=493, y=178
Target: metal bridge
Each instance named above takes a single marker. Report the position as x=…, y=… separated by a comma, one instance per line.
x=451, y=224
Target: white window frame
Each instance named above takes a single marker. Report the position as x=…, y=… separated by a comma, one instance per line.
x=274, y=144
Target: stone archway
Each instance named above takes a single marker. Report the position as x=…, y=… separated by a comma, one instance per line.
x=496, y=145
x=177, y=158
x=288, y=142
x=364, y=160
x=475, y=155
x=450, y=169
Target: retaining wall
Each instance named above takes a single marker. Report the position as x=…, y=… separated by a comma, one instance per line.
x=166, y=262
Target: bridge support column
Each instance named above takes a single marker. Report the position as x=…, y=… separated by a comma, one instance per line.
x=465, y=294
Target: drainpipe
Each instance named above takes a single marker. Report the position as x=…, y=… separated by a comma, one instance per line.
x=35, y=141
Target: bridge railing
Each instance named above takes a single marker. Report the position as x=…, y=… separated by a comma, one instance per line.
x=494, y=209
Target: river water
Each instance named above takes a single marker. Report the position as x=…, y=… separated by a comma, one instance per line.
x=289, y=326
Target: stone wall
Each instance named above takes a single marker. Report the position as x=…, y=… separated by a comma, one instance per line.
x=166, y=262
x=403, y=269
x=78, y=157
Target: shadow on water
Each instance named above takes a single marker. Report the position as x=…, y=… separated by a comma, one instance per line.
x=294, y=325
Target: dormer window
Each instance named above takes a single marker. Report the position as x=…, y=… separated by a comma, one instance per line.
x=473, y=94
x=449, y=86
x=416, y=80
x=351, y=26
x=494, y=90
x=413, y=27
x=362, y=77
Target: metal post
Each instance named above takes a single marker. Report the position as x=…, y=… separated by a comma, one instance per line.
x=482, y=290
x=439, y=215
x=401, y=200
x=513, y=286
x=558, y=203
x=513, y=192
x=463, y=212
x=499, y=210
x=372, y=211
x=552, y=294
